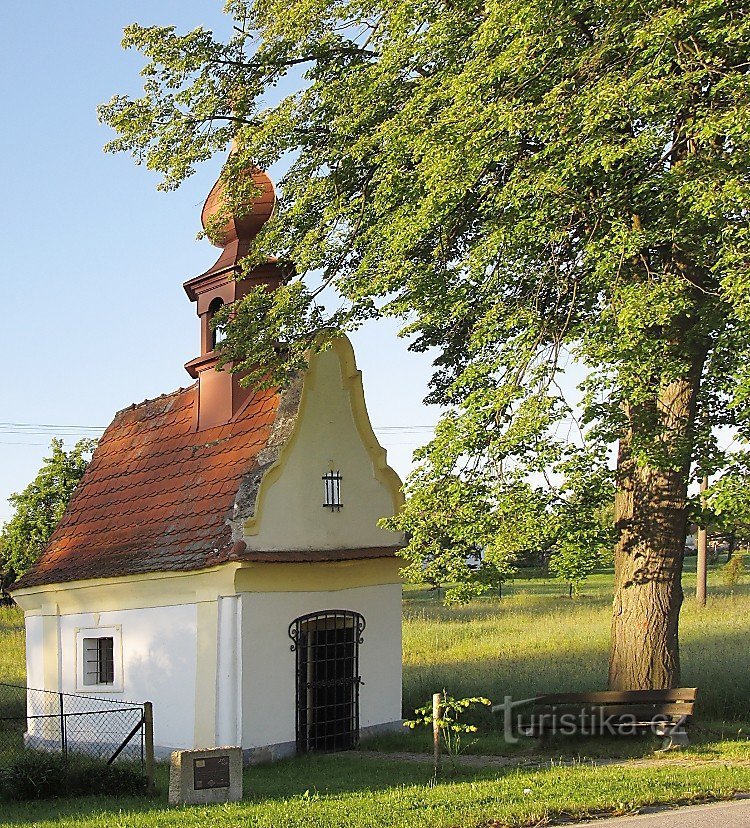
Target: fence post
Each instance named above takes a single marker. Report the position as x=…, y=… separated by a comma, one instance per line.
x=148, y=742
x=437, y=710
x=63, y=734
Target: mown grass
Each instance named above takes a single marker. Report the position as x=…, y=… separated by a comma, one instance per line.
x=534, y=639
x=338, y=790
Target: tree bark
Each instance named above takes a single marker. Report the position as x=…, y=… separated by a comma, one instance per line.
x=651, y=518
x=731, y=542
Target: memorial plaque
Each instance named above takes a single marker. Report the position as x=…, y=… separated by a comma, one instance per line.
x=211, y=772
x=204, y=775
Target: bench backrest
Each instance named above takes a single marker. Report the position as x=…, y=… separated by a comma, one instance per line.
x=621, y=697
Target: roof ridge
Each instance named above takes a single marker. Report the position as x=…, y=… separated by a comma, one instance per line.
x=135, y=406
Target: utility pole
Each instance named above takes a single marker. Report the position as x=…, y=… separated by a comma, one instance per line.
x=702, y=566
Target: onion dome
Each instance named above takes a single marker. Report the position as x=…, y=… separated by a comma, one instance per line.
x=246, y=227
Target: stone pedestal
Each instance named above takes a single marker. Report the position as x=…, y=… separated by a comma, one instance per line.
x=200, y=777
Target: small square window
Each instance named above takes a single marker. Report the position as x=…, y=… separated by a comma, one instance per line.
x=99, y=660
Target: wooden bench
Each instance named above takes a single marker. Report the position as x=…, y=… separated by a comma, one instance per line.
x=620, y=712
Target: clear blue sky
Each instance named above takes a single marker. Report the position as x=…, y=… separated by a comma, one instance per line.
x=93, y=257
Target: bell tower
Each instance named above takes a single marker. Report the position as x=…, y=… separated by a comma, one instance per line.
x=220, y=395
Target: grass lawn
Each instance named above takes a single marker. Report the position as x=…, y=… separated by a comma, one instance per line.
x=536, y=639
x=533, y=639
x=342, y=791
x=12, y=655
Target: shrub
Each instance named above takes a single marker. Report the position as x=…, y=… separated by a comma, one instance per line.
x=733, y=570
x=451, y=728
x=35, y=775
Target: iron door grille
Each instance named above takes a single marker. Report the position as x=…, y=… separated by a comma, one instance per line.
x=326, y=646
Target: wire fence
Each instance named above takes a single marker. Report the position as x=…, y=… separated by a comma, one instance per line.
x=108, y=730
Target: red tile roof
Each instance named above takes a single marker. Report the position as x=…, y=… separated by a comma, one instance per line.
x=157, y=496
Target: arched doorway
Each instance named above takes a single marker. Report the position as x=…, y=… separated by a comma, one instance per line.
x=326, y=645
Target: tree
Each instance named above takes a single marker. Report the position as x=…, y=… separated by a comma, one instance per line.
x=727, y=509
x=39, y=507
x=582, y=522
x=519, y=182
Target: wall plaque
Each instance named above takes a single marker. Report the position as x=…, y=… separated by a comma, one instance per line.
x=211, y=772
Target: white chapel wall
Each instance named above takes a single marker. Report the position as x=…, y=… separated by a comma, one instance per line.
x=268, y=664
x=34, y=652
x=158, y=663
x=333, y=433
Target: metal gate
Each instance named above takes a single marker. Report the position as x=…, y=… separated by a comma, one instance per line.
x=326, y=645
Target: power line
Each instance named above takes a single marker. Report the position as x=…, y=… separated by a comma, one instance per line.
x=39, y=430
x=10, y=443
x=62, y=430
x=51, y=425
x=66, y=430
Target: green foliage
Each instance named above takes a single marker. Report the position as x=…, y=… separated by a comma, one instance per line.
x=35, y=775
x=727, y=500
x=733, y=571
x=32, y=775
x=583, y=534
x=39, y=507
x=451, y=729
x=520, y=183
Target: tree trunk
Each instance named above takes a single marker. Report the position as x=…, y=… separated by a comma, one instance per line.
x=651, y=518
x=701, y=565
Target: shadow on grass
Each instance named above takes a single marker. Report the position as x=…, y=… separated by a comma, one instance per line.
x=306, y=777
x=713, y=660
x=708, y=739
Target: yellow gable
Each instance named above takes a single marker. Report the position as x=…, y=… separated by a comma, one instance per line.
x=332, y=433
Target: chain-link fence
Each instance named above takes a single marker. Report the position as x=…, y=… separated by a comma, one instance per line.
x=107, y=730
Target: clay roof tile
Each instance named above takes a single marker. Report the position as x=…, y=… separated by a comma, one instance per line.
x=156, y=493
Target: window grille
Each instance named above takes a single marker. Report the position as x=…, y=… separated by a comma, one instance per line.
x=98, y=660
x=326, y=645
x=332, y=490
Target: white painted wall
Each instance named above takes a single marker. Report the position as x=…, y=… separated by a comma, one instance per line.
x=158, y=663
x=268, y=664
x=35, y=652
x=246, y=660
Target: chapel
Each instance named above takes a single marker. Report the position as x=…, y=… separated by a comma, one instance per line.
x=222, y=556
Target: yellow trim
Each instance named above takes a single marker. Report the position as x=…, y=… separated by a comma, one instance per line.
x=352, y=382
x=205, y=674
x=163, y=589
x=153, y=589
x=317, y=577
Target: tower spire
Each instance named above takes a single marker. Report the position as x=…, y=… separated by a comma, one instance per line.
x=220, y=395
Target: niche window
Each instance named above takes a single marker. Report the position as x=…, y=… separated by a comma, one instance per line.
x=99, y=659
x=215, y=335
x=332, y=491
